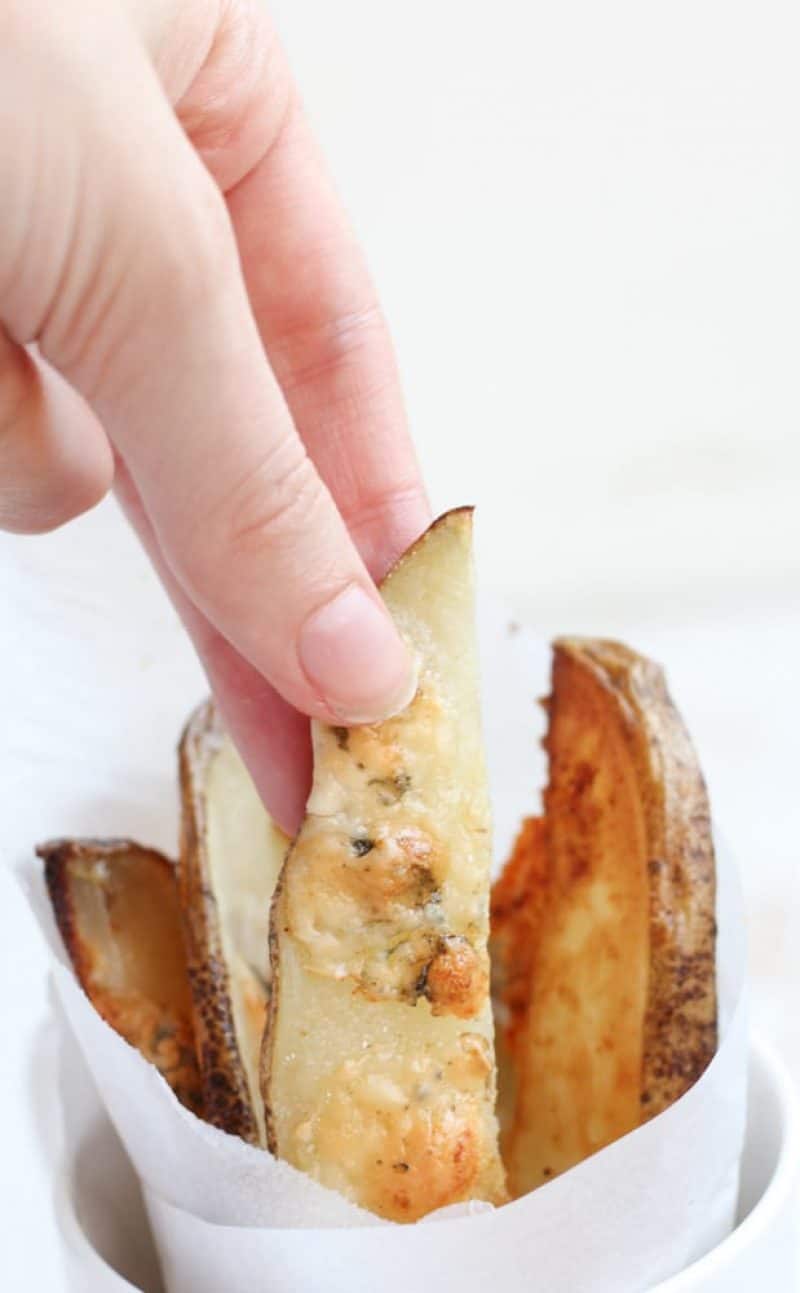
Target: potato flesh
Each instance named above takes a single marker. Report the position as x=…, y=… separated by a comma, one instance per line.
x=582, y=1046
x=231, y=855
x=393, y=1112
x=379, y=1068
x=117, y=910
x=245, y=855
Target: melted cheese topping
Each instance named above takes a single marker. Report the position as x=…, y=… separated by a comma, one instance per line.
x=404, y=1134
x=376, y=890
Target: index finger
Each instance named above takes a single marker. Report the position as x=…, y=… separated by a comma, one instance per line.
x=321, y=323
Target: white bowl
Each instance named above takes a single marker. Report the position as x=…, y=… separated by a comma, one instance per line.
x=107, y=1237
x=764, y=1249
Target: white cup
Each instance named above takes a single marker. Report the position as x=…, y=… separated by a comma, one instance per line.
x=763, y=1252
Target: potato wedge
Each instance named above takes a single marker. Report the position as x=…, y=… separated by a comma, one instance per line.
x=617, y=915
x=230, y=857
x=378, y=1065
x=116, y=907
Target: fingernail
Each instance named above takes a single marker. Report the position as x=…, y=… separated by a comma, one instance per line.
x=354, y=656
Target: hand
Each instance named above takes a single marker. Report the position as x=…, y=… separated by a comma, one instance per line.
x=183, y=308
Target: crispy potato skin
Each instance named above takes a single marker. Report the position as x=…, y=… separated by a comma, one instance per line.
x=603, y=923
x=115, y=905
x=226, y=1096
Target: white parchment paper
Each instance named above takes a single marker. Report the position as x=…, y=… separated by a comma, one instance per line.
x=228, y=1216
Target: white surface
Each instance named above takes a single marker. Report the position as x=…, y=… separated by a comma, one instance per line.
x=584, y=223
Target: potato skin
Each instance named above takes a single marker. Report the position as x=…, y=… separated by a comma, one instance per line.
x=603, y=922
x=131, y=966
x=226, y=1095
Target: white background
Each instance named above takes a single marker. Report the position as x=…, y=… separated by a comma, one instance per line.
x=584, y=222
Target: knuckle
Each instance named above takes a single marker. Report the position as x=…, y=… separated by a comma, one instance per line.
x=332, y=344
x=122, y=228
x=259, y=515
x=268, y=510
x=143, y=263
x=236, y=106
x=385, y=503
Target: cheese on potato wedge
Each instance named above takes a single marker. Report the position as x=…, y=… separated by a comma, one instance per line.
x=230, y=858
x=604, y=926
x=116, y=907
x=378, y=1065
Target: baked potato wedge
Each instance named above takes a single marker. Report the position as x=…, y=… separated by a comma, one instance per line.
x=230, y=856
x=378, y=1065
x=116, y=907
x=603, y=922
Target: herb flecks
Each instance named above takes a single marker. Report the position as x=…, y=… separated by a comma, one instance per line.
x=421, y=985
x=342, y=735
x=390, y=790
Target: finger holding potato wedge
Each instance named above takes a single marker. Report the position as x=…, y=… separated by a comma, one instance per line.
x=607, y=961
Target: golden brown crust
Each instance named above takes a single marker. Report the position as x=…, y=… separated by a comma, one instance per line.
x=58, y=856
x=603, y=925
x=116, y=908
x=518, y=903
x=226, y=1094
x=456, y=978
x=431, y=1153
